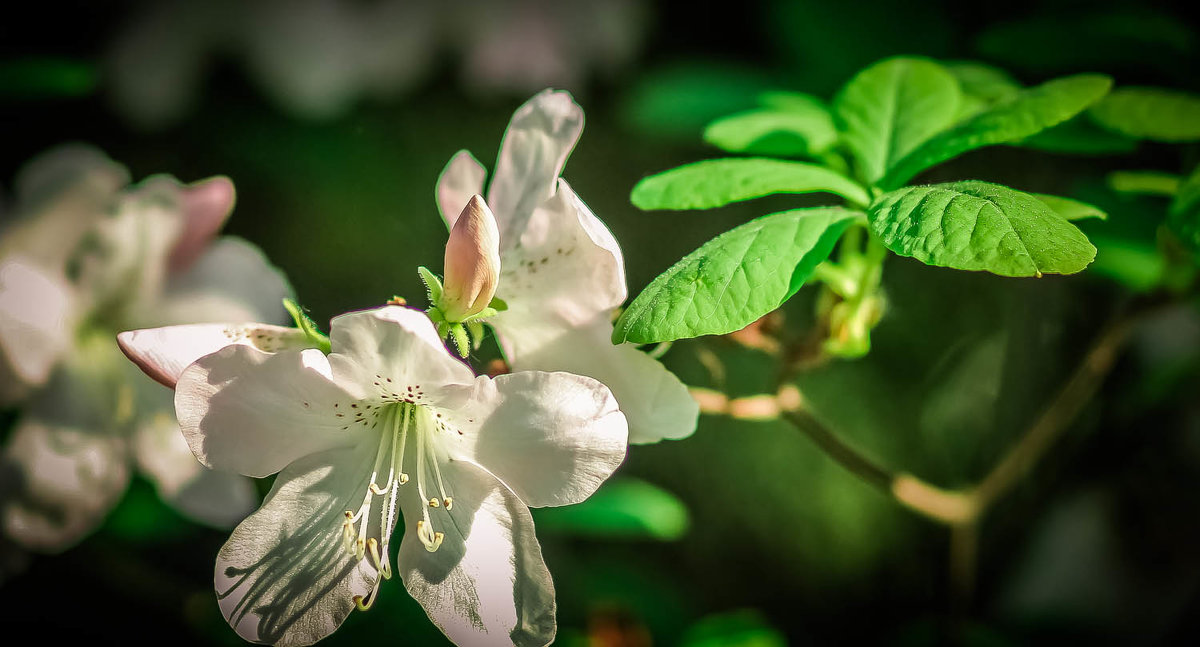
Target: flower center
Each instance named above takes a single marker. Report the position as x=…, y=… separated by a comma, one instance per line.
x=401, y=420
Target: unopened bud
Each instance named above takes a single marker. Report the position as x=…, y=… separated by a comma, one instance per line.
x=472, y=262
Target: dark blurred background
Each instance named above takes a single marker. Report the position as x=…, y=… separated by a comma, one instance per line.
x=334, y=121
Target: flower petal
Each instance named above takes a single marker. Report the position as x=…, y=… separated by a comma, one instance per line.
x=69, y=477
x=163, y=353
x=284, y=577
x=250, y=412
x=532, y=155
x=35, y=323
x=462, y=178
x=206, y=205
x=232, y=281
x=380, y=353
x=216, y=498
x=551, y=437
x=567, y=264
x=657, y=405
x=487, y=584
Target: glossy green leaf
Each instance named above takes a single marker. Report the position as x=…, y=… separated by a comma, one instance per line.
x=1026, y=114
x=982, y=86
x=735, y=278
x=1070, y=209
x=979, y=226
x=1079, y=135
x=803, y=129
x=1144, y=182
x=714, y=183
x=1150, y=113
x=890, y=108
x=624, y=507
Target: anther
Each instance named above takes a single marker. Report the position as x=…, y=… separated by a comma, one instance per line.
x=433, y=503
x=448, y=502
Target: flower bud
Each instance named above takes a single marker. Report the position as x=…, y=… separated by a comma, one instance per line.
x=472, y=262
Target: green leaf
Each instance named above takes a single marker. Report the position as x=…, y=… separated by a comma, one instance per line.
x=1026, y=114
x=1080, y=135
x=623, y=507
x=979, y=226
x=714, y=183
x=735, y=278
x=742, y=628
x=1150, y=113
x=677, y=101
x=805, y=131
x=1070, y=209
x=305, y=323
x=1144, y=182
x=890, y=108
x=1184, y=215
x=982, y=86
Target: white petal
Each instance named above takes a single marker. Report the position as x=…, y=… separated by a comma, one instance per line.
x=250, y=412
x=487, y=584
x=654, y=401
x=551, y=437
x=217, y=498
x=568, y=264
x=35, y=321
x=462, y=178
x=284, y=577
x=68, y=478
x=232, y=281
x=532, y=155
x=163, y=353
x=380, y=353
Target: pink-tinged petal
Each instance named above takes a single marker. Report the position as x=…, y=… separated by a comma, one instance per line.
x=284, y=577
x=215, y=498
x=462, y=178
x=394, y=353
x=487, y=583
x=67, y=478
x=656, y=404
x=36, y=328
x=568, y=265
x=250, y=412
x=472, y=262
x=206, y=205
x=552, y=438
x=534, y=150
x=163, y=353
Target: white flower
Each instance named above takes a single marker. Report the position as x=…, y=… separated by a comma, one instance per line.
x=84, y=258
x=389, y=424
x=562, y=273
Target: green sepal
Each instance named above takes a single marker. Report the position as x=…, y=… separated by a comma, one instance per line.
x=475, y=327
x=459, y=334
x=433, y=286
x=309, y=327
x=498, y=304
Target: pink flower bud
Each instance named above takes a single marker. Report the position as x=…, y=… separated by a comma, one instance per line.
x=472, y=262
x=206, y=205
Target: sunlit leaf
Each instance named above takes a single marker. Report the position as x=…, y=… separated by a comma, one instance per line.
x=979, y=226
x=1150, y=113
x=1144, y=182
x=624, y=507
x=798, y=129
x=1026, y=114
x=890, y=108
x=714, y=183
x=679, y=100
x=735, y=278
x=1079, y=135
x=982, y=85
x=1070, y=209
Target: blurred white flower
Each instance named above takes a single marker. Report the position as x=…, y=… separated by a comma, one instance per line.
x=561, y=271
x=388, y=421
x=318, y=58
x=84, y=257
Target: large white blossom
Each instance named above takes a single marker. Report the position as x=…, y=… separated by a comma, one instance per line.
x=562, y=274
x=389, y=424
x=84, y=257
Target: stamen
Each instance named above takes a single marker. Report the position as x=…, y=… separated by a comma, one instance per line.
x=431, y=539
x=448, y=502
